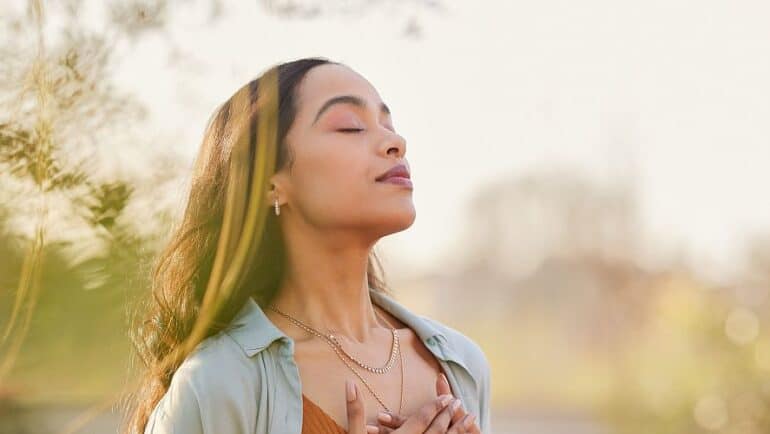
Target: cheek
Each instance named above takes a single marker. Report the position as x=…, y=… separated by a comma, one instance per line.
x=335, y=156
x=333, y=182
x=336, y=200
x=336, y=186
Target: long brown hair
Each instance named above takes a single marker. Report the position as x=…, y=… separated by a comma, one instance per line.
x=228, y=245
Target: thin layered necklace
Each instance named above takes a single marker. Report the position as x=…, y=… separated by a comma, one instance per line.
x=395, y=351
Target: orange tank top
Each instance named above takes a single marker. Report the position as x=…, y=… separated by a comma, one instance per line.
x=317, y=421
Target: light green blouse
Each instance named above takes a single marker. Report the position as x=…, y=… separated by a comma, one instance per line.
x=244, y=380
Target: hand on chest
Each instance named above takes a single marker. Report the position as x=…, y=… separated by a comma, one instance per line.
x=323, y=373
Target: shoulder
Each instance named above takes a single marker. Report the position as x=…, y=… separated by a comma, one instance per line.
x=465, y=347
x=216, y=379
x=217, y=358
x=218, y=370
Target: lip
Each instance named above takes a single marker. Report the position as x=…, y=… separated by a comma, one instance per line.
x=398, y=180
x=399, y=171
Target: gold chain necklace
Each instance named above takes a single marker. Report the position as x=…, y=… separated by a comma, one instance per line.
x=334, y=344
x=395, y=347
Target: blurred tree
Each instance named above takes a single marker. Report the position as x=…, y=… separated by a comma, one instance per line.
x=555, y=261
x=555, y=235
x=64, y=205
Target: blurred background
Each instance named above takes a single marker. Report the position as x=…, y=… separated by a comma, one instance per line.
x=591, y=185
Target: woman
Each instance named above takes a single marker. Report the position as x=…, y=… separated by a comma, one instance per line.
x=267, y=312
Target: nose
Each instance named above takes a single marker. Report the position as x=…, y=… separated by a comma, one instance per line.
x=393, y=142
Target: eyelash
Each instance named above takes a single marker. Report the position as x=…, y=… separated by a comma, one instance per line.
x=349, y=130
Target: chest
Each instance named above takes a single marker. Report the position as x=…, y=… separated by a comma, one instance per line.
x=323, y=374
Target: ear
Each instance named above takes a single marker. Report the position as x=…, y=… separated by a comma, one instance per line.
x=272, y=194
x=279, y=188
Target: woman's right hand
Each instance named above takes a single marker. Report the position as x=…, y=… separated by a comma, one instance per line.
x=462, y=422
x=432, y=418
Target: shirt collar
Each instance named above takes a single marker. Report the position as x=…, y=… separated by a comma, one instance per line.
x=253, y=330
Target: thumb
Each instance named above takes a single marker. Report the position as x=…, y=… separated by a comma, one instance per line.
x=356, y=411
x=442, y=385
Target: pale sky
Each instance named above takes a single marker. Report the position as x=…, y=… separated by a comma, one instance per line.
x=677, y=90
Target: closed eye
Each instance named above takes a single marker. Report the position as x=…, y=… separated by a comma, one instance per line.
x=350, y=130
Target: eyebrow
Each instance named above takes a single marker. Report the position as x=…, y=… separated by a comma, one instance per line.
x=347, y=99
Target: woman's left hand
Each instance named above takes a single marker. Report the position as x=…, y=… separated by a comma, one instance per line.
x=461, y=422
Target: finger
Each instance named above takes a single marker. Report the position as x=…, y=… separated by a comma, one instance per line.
x=391, y=420
x=458, y=411
x=442, y=385
x=355, y=407
x=422, y=419
x=460, y=426
x=380, y=429
x=441, y=422
x=471, y=425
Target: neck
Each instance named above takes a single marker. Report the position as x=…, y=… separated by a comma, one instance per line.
x=329, y=292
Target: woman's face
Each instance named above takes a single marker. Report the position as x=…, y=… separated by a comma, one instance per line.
x=340, y=147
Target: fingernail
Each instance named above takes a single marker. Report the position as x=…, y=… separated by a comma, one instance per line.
x=456, y=405
x=351, y=390
x=469, y=420
x=384, y=417
x=445, y=400
x=372, y=429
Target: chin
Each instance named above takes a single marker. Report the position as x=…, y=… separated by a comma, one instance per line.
x=400, y=223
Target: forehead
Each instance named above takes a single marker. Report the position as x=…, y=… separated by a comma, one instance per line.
x=330, y=80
